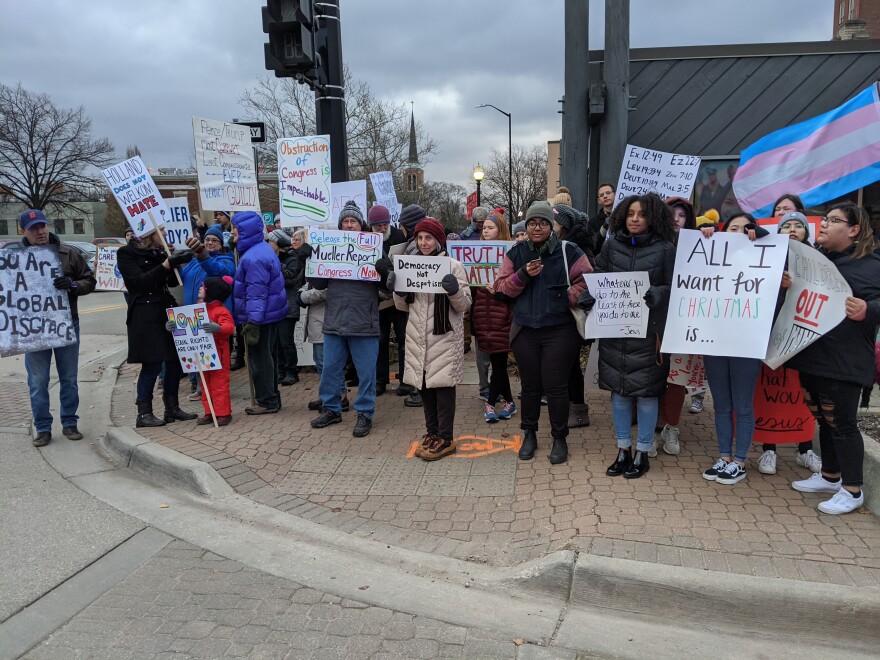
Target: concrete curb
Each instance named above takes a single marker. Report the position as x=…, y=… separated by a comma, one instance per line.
x=872, y=475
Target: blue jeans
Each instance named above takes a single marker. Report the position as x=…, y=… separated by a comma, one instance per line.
x=171, y=373
x=38, y=365
x=646, y=411
x=732, y=382
x=363, y=351
x=318, y=356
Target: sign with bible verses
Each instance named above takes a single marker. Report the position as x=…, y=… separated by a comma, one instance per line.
x=620, y=310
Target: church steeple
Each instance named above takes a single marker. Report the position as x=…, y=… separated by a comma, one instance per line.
x=413, y=148
x=413, y=175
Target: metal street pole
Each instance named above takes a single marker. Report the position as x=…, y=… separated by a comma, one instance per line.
x=330, y=94
x=478, y=192
x=510, y=211
x=613, y=132
x=575, y=130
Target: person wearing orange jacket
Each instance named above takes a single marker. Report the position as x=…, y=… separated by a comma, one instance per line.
x=214, y=292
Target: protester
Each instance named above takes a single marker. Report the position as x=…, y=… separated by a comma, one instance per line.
x=474, y=230
x=214, y=292
x=314, y=301
x=599, y=223
x=544, y=338
x=410, y=216
x=77, y=280
x=260, y=306
x=289, y=251
x=201, y=228
x=641, y=237
x=786, y=204
x=148, y=272
x=223, y=219
x=562, y=196
x=519, y=232
x=434, y=339
x=835, y=368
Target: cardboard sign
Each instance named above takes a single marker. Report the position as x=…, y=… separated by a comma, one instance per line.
x=304, y=352
x=814, y=303
x=591, y=373
x=420, y=274
x=225, y=166
x=646, y=170
x=620, y=309
x=34, y=315
x=137, y=195
x=178, y=223
x=772, y=225
x=106, y=270
x=195, y=347
x=481, y=259
x=343, y=255
x=304, y=181
x=781, y=415
x=724, y=293
x=347, y=191
x=386, y=195
x=687, y=371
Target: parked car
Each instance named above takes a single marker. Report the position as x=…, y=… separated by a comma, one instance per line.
x=113, y=240
x=88, y=250
x=7, y=242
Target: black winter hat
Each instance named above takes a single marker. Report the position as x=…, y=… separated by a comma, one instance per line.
x=411, y=215
x=217, y=288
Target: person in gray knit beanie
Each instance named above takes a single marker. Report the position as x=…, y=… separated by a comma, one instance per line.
x=352, y=210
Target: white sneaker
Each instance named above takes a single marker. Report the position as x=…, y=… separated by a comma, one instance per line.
x=652, y=452
x=810, y=461
x=669, y=435
x=767, y=462
x=842, y=502
x=696, y=404
x=816, y=484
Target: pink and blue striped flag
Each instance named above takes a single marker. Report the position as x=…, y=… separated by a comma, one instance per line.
x=819, y=159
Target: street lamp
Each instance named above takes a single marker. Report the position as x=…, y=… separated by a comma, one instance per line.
x=479, y=173
x=509, y=159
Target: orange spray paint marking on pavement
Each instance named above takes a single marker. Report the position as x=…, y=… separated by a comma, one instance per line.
x=474, y=446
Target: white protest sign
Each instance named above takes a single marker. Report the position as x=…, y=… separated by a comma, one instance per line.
x=724, y=292
x=304, y=181
x=386, y=195
x=137, y=195
x=420, y=274
x=591, y=373
x=481, y=259
x=195, y=347
x=107, y=272
x=34, y=315
x=304, y=352
x=178, y=223
x=620, y=309
x=646, y=170
x=814, y=303
x=347, y=191
x=687, y=371
x=343, y=255
x=225, y=166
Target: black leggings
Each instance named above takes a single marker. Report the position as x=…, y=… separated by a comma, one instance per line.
x=576, y=379
x=803, y=447
x=439, y=406
x=499, y=383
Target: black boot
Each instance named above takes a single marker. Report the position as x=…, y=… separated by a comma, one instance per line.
x=173, y=413
x=559, y=452
x=528, y=447
x=621, y=464
x=145, y=415
x=639, y=466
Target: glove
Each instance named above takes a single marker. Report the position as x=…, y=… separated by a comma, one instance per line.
x=409, y=298
x=392, y=278
x=171, y=326
x=306, y=250
x=299, y=300
x=211, y=327
x=651, y=298
x=251, y=333
x=383, y=267
x=196, y=246
x=65, y=283
x=586, y=301
x=449, y=284
x=179, y=259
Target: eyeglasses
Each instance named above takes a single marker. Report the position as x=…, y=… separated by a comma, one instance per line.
x=834, y=221
x=538, y=223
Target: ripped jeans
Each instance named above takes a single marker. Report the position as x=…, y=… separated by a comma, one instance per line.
x=834, y=404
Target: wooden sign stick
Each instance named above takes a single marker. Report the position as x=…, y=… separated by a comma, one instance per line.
x=207, y=393
x=164, y=244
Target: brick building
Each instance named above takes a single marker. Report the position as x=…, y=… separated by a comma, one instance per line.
x=856, y=19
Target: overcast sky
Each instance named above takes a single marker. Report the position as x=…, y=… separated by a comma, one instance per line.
x=142, y=69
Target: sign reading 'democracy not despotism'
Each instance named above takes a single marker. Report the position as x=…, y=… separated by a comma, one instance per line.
x=137, y=195
x=225, y=166
x=481, y=259
x=34, y=315
x=420, y=274
x=343, y=255
x=178, y=223
x=107, y=273
x=646, y=170
x=304, y=181
x=724, y=293
x=814, y=303
x=620, y=309
x=195, y=347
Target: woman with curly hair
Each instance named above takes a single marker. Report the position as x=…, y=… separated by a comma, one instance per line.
x=641, y=237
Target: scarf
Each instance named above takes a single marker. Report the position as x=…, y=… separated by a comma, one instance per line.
x=547, y=246
x=441, y=308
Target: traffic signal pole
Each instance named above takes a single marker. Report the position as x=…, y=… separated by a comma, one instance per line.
x=330, y=94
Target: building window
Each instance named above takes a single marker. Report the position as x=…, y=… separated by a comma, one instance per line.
x=59, y=226
x=79, y=226
x=411, y=181
x=4, y=226
x=840, y=13
x=852, y=9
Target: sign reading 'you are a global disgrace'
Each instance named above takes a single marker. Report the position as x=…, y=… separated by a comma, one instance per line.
x=343, y=255
x=304, y=190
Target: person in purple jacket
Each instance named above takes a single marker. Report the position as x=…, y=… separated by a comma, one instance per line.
x=260, y=305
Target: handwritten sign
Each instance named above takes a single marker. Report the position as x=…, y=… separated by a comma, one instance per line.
x=646, y=170
x=724, y=292
x=620, y=309
x=343, y=255
x=348, y=191
x=107, y=271
x=591, y=373
x=137, y=195
x=386, y=195
x=781, y=415
x=225, y=166
x=178, y=222
x=481, y=259
x=195, y=347
x=304, y=181
x=420, y=274
x=814, y=303
x=34, y=315
x=687, y=371
x=304, y=351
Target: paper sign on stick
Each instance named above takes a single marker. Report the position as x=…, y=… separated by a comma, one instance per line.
x=620, y=309
x=687, y=371
x=34, y=315
x=646, y=170
x=723, y=295
x=304, y=181
x=386, y=195
x=481, y=259
x=178, y=222
x=420, y=274
x=195, y=347
x=343, y=255
x=225, y=166
x=107, y=272
x=347, y=191
x=781, y=415
x=137, y=195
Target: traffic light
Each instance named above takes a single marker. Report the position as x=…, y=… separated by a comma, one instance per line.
x=290, y=25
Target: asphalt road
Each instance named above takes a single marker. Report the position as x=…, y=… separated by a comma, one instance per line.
x=101, y=313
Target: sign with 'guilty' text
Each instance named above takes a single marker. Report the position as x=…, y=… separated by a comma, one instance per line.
x=225, y=166
x=343, y=255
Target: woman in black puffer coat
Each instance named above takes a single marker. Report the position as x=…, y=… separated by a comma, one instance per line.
x=641, y=237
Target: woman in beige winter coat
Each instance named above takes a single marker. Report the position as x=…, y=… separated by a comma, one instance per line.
x=434, y=359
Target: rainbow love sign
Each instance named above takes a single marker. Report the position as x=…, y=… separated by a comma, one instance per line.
x=195, y=347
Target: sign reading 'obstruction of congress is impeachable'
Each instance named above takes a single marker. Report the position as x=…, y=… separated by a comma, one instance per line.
x=195, y=347
x=646, y=170
x=304, y=181
x=724, y=293
x=225, y=166
x=137, y=195
x=34, y=315
x=620, y=309
x=481, y=259
x=420, y=274
x=343, y=255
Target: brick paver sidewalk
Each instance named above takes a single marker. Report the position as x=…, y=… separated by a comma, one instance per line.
x=486, y=506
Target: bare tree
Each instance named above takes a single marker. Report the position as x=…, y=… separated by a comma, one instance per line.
x=131, y=151
x=529, y=178
x=446, y=202
x=47, y=154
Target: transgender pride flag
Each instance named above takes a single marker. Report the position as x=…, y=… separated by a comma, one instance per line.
x=819, y=159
